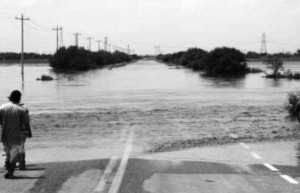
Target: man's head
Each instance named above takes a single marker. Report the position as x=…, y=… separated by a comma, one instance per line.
x=15, y=96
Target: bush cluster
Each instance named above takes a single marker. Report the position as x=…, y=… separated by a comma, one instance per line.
x=74, y=58
x=295, y=76
x=292, y=99
x=16, y=56
x=218, y=62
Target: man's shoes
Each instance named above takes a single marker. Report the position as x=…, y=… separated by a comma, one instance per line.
x=7, y=176
x=22, y=164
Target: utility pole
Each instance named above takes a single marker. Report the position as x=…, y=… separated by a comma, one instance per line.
x=76, y=38
x=128, y=49
x=157, y=50
x=99, y=44
x=22, y=35
x=109, y=47
x=57, y=37
x=61, y=37
x=263, y=49
x=89, y=47
x=105, y=43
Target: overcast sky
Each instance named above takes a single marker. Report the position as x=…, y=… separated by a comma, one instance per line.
x=172, y=24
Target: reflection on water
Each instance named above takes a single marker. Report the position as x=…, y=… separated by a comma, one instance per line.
x=225, y=82
x=145, y=84
x=274, y=82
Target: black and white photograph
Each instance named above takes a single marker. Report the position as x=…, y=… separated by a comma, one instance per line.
x=150, y=96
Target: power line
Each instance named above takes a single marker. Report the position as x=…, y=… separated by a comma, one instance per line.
x=272, y=42
x=40, y=26
x=30, y=26
x=6, y=17
x=11, y=14
x=27, y=29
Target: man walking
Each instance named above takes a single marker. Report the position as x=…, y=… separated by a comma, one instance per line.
x=12, y=119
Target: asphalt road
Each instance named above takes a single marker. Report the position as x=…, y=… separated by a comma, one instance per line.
x=238, y=168
x=145, y=176
x=153, y=176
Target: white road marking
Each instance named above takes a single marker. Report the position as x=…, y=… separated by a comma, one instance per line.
x=289, y=179
x=255, y=155
x=122, y=135
x=244, y=145
x=106, y=174
x=120, y=173
x=272, y=168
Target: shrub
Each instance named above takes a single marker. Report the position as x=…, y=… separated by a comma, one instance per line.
x=255, y=70
x=219, y=62
x=74, y=58
x=225, y=61
x=274, y=63
x=45, y=78
x=296, y=75
x=292, y=100
x=193, y=58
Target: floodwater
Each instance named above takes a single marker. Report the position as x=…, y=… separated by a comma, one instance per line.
x=143, y=85
x=169, y=108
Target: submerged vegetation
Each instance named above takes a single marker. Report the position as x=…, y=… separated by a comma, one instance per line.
x=221, y=61
x=292, y=99
x=45, y=78
x=8, y=56
x=74, y=58
x=276, y=65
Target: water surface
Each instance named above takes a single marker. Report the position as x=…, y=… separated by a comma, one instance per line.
x=144, y=85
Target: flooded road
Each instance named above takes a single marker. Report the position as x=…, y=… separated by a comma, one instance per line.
x=142, y=85
x=169, y=108
x=157, y=123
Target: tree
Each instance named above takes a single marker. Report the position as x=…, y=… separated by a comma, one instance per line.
x=193, y=58
x=275, y=64
x=74, y=58
x=252, y=54
x=225, y=61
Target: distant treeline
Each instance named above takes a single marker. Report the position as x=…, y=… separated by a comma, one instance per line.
x=287, y=55
x=27, y=56
x=78, y=58
x=220, y=61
